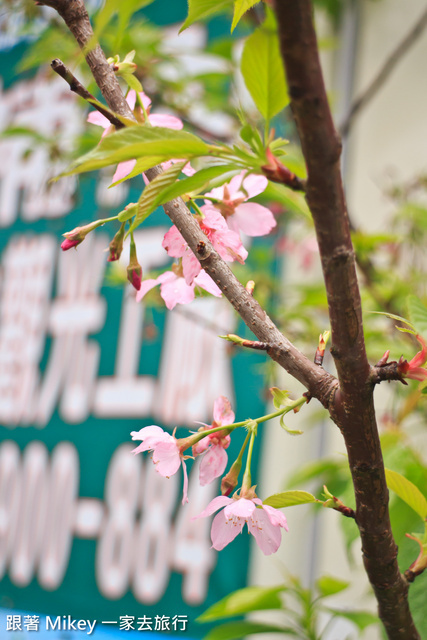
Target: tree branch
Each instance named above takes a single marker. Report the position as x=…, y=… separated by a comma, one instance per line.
x=75, y=85
x=394, y=58
x=353, y=409
x=319, y=383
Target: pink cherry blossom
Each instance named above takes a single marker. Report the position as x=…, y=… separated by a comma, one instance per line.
x=241, y=216
x=414, y=368
x=174, y=289
x=223, y=239
x=212, y=448
x=156, y=120
x=166, y=453
x=264, y=522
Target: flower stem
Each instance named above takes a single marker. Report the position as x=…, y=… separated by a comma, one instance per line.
x=247, y=479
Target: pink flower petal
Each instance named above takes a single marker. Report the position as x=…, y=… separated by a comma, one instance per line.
x=420, y=358
x=214, y=505
x=224, y=531
x=254, y=185
x=176, y=292
x=223, y=413
x=145, y=287
x=190, y=266
x=174, y=243
x=417, y=373
x=167, y=458
x=241, y=508
x=97, y=118
x=253, y=219
x=234, y=187
x=185, y=486
x=276, y=517
x=123, y=169
x=267, y=535
x=204, y=281
x=131, y=99
x=213, y=464
x=163, y=120
x=146, y=432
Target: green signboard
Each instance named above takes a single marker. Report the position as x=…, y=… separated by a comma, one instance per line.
x=87, y=530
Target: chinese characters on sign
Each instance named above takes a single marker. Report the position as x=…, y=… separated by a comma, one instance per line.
x=17, y=622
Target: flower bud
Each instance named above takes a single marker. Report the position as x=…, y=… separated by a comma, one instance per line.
x=230, y=480
x=116, y=244
x=275, y=171
x=134, y=270
x=77, y=235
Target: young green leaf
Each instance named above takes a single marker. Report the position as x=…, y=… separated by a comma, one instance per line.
x=151, y=195
x=137, y=142
x=329, y=586
x=244, y=601
x=198, y=181
x=289, y=499
x=417, y=314
x=262, y=71
x=241, y=629
x=394, y=317
x=407, y=491
x=240, y=8
x=199, y=9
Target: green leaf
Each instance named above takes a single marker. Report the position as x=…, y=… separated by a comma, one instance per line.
x=244, y=601
x=394, y=317
x=198, y=9
x=407, y=491
x=328, y=586
x=148, y=201
x=198, y=181
x=238, y=630
x=280, y=397
x=124, y=9
x=262, y=71
x=417, y=314
x=289, y=499
x=294, y=201
x=132, y=82
x=140, y=141
x=240, y=8
x=361, y=619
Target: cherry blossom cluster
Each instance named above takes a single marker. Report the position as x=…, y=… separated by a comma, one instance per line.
x=226, y=218
x=264, y=522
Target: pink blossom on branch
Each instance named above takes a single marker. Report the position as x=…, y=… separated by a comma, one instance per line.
x=213, y=446
x=223, y=239
x=156, y=120
x=414, y=368
x=167, y=454
x=264, y=522
x=248, y=217
x=174, y=289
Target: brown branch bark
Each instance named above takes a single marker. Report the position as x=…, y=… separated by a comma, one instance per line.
x=319, y=383
x=353, y=409
x=76, y=86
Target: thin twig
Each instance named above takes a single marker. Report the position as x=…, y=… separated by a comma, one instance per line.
x=394, y=58
x=75, y=85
